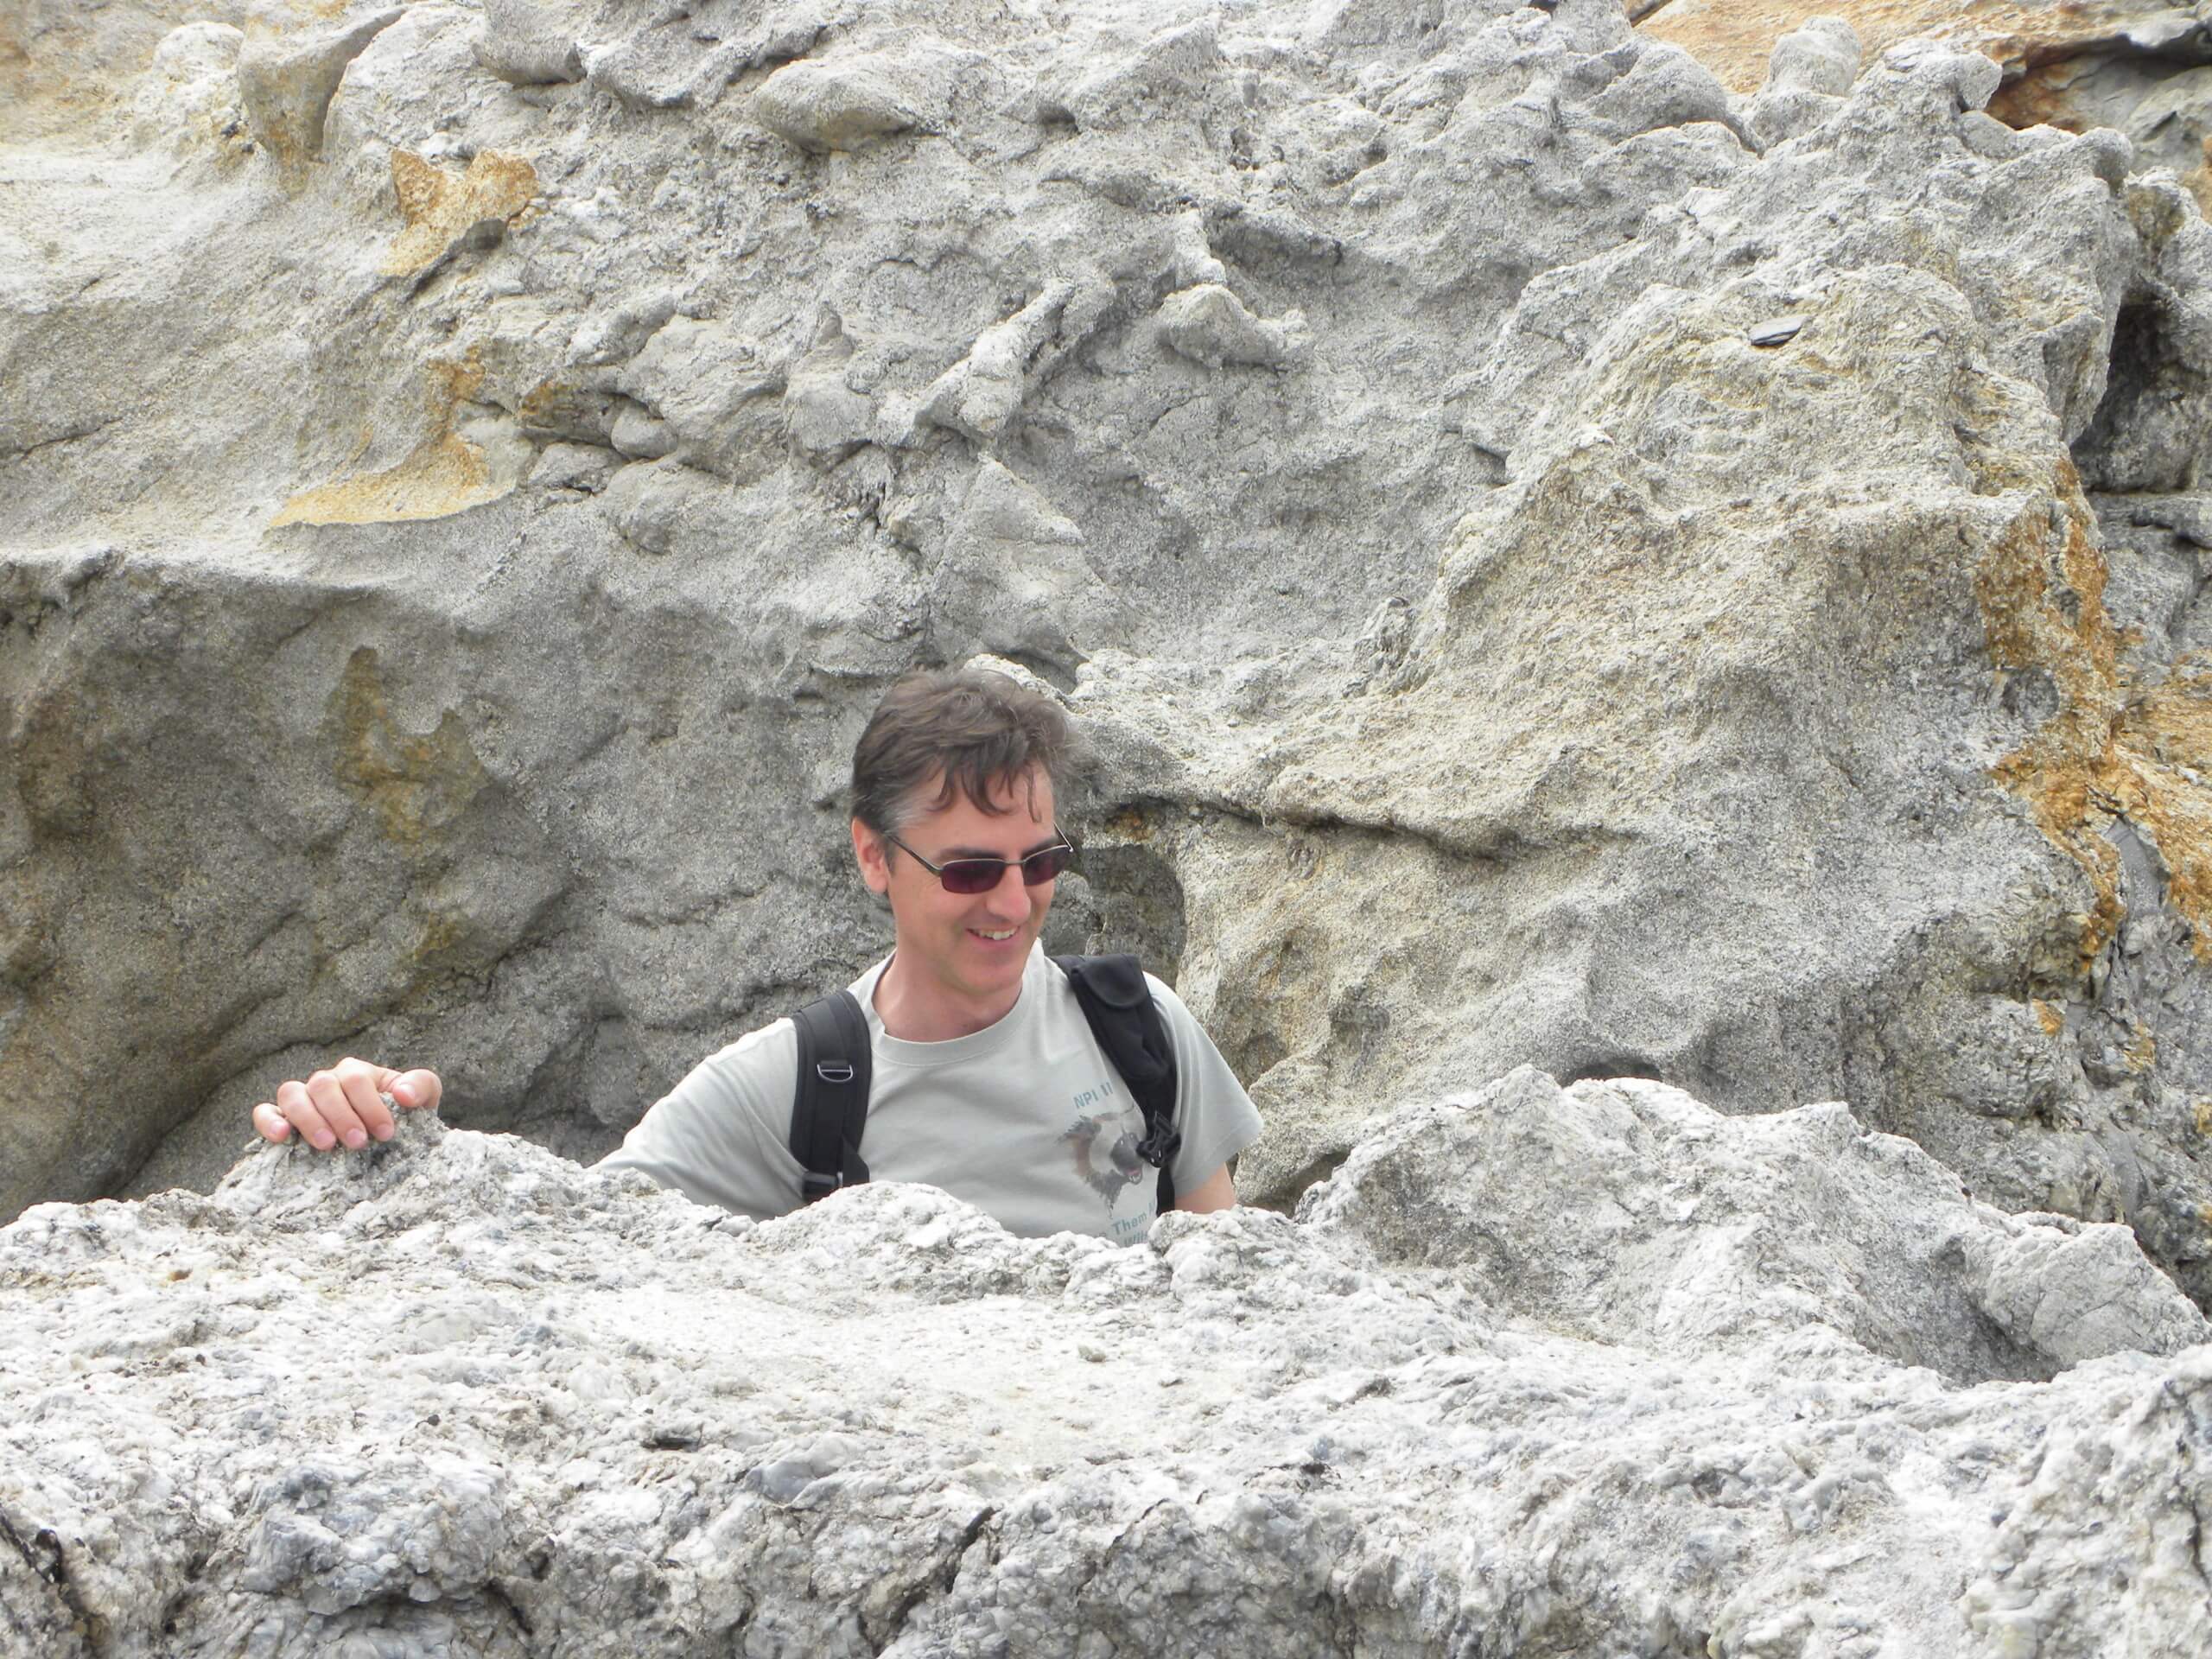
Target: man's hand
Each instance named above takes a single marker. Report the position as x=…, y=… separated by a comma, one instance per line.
x=344, y=1105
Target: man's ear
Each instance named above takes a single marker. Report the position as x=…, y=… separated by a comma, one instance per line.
x=872, y=855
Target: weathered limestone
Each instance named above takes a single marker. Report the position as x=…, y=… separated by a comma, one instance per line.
x=522, y=44
x=286, y=82
x=1658, y=1381
x=2136, y=66
x=1209, y=324
x=445, y=573
x=822, y=108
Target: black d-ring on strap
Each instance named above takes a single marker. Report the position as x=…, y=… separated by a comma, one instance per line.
x=830, y=1113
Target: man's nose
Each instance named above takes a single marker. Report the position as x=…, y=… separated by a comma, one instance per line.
x=1010, y=898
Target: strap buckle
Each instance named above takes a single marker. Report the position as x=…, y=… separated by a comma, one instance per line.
x=814, y=1185
x=834, y=1071
x=1159, y=1146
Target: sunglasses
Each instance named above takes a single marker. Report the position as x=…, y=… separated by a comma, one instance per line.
x=981, y=874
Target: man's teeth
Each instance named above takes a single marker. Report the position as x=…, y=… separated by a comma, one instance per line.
x=988, y=934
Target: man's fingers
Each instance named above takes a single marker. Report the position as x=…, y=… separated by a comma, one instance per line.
x=300, y=1111
x=337, y=1112
x=363, y=1083
x=350, y=1105
x=416, y=1089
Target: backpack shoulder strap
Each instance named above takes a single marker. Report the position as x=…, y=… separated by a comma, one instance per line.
x=829, y=1106
x=1124, y=1018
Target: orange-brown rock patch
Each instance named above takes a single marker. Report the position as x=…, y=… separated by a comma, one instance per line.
x=436, y=206
x=1734, y=38
x=2117, y=748
x=444, y=474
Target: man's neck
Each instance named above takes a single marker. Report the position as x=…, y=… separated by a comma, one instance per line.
x=917, y=1012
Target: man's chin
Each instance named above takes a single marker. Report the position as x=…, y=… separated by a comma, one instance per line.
x=995, y=961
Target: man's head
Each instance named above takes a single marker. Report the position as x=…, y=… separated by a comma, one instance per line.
x=942, y=734
x=960, y=767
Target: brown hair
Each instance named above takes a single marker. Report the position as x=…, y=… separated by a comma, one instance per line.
x=979, y=729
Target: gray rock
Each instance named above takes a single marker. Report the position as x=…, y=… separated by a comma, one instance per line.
x=521, y=45
x=1594, y=1370
x=1175, y=66
x=1688, y=1231
x=1820, y=56
x=2170, y=124
x=1809, y=76
x=825, y=107
x=706, y=395
x=190, y=94
x=1013, y=575
x=286, y=81
x=1208, y=324
x=437, y=617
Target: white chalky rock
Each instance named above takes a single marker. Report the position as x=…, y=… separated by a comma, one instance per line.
x=840, y=105
x=524, y=44
x=1821, y=55
x=1209, y=325
x=457, y=1395
x=188, y=98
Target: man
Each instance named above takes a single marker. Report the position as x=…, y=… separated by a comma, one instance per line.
x=987, y=1079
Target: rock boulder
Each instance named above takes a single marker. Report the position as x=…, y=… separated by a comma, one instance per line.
x=1568, y=565
x=455, y=1395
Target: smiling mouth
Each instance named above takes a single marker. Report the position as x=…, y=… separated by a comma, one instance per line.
x=983, y=933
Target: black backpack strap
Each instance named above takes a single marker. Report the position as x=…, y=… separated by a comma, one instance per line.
x=1123, y=1018
x=829, y=1107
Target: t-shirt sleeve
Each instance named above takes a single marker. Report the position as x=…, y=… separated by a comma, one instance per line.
x=1215, y=1114
x=720, y=1135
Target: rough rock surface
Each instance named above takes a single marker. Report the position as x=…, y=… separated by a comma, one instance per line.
x=1662, y=1382
x=2143, y=67
x=444, y=574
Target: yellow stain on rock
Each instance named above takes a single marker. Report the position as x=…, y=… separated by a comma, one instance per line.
x=2048, y=1016
x=417, y=785
x=552, y=404
x=2204, y=1114
x=445, y=473
x=2142, y=1050
x=445, y=476
x=437, y=207
x=2115, y=749
x=446, y=950
x=1131, y=823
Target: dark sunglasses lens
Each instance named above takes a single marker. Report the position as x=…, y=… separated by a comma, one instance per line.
x=981, y=874
x=1041, y=868
x=971, y=875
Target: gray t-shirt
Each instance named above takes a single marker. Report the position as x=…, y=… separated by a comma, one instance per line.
x=1026, y=1119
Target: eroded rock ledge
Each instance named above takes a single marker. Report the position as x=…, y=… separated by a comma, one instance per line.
x=1538, y=1371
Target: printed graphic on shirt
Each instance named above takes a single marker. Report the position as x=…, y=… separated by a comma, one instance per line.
x=1103, y=1138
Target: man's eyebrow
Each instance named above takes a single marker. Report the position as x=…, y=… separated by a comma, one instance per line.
x=993, y=852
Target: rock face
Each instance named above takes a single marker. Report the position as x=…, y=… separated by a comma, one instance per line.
x=2140, y=67
x=1567, y=563
x=1659, y=1381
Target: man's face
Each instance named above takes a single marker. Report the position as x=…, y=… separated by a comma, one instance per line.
x=969, y=946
